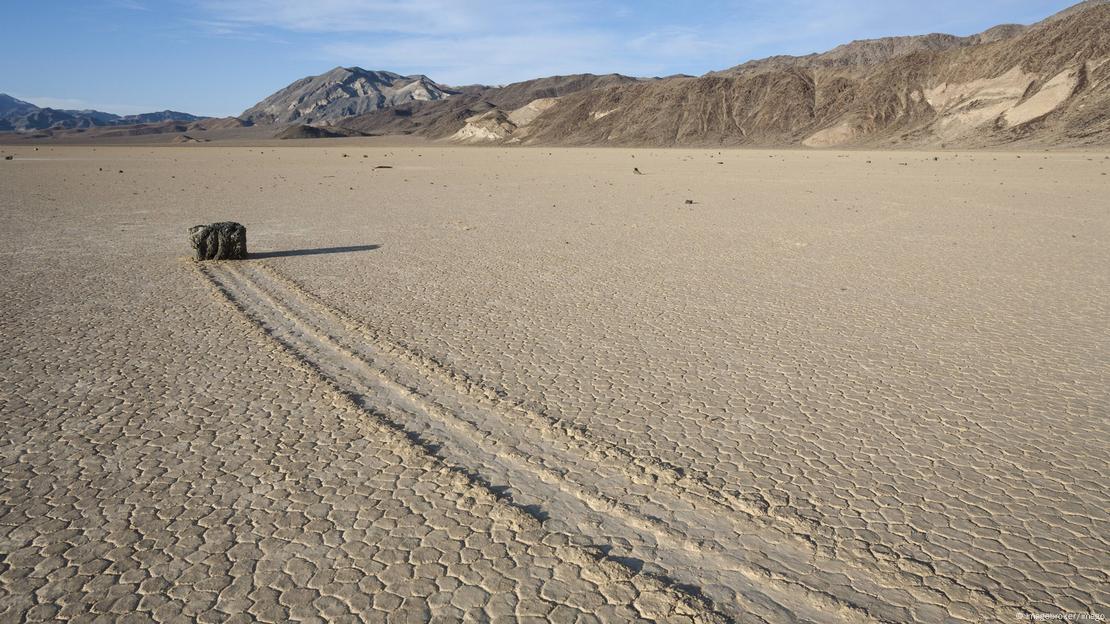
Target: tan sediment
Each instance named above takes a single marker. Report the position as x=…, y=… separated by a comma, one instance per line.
x=465, y=480
x=489, y=383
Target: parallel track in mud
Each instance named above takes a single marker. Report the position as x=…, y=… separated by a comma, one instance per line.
x=749, y=564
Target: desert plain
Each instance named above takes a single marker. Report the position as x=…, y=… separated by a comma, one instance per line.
x=488, y=384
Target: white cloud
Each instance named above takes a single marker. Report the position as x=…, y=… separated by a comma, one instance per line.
x=463, y=36
x=484, y=58
x=676, y=43
x=414, y=17
x=225, y=29
x=132, y=5
x=468, y=41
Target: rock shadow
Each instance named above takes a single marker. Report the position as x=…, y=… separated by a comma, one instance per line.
x=317, y=251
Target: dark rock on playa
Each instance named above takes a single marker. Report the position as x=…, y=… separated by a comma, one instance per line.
x=220, y=241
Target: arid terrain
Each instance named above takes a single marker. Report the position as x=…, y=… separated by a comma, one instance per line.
x=1035, y=86
x=463, y=383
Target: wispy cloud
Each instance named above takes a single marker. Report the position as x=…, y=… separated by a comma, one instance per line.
x=465, y=41
x=676, y=42
x=226, y=29
x=414, y=17
x=479, y=58
x=131, y=5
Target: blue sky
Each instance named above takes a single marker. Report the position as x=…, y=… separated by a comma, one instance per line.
x=218, y=57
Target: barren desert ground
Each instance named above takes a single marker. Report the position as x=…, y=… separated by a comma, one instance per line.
x=486, y=384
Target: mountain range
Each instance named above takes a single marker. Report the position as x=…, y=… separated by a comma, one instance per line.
x=19, y=116
x=1047, y=84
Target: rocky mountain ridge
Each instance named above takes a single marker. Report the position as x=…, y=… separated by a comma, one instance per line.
x=1047, y=84
x=1043, y=85
x=19, y=116
x=343, y=92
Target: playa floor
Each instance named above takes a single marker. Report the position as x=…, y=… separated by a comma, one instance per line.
x=489, y=384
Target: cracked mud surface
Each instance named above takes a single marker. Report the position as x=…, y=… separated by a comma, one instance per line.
x=498, y=384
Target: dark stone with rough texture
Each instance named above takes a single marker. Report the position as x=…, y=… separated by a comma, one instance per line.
x=220, y=241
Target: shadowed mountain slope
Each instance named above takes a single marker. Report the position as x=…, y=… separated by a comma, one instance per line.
x=1048, y=84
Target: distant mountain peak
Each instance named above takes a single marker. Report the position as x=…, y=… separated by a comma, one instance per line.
x=10, y=105
x=344, y=92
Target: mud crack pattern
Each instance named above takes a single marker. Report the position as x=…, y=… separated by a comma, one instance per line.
x=773, y=406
